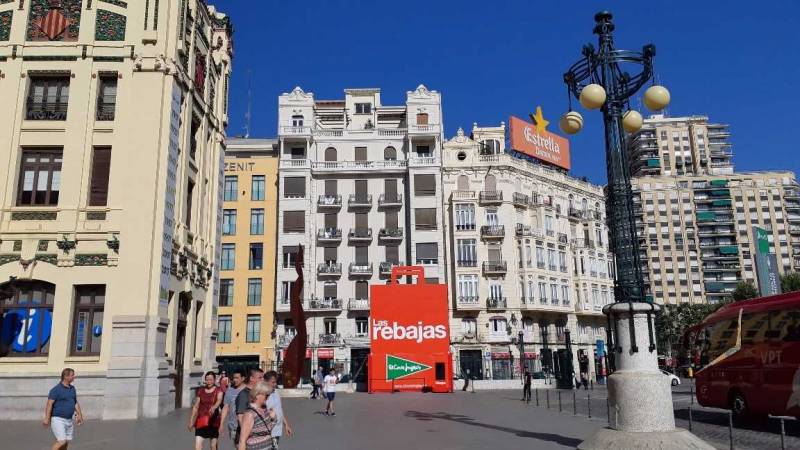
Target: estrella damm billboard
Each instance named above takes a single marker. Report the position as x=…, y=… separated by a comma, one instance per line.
x=409, y=335
x=535, y=141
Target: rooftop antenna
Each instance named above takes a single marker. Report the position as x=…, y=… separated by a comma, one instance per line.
x=247, y=115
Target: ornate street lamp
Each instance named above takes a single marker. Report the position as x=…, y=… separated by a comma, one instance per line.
x=640, y=395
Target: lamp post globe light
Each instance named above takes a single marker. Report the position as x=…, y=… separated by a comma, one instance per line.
x=639, y=394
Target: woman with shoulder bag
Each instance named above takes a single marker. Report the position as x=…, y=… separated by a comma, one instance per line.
x=205, y=418
x=257, y=422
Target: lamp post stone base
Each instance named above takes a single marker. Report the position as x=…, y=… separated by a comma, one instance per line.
x=639, y=395
x=609, y=439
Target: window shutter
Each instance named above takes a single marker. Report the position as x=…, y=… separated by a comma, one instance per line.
x=362, y=255
x=330, y=254
x=361, y=221
x=361, y=188
x=101, y=166
x=293, y=221
x=425, y=185
x=427, y=251
x=494, y=253
x=294, y=187
x=390, y=188
x=425, y=218
x=391, y=219
x=422, y=119
x=390, y=153
x=361, y=153
x=330, y=220
x=463, y=183
x=362, y=289
x=393, y=254
x=330, y=187
x=329, y=291
x=330, y=154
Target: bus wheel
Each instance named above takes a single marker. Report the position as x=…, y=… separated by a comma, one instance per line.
x=738, y=405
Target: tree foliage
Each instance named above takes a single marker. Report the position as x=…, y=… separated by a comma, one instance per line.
x=790, y=282
x=744, y=290
x=674, y=320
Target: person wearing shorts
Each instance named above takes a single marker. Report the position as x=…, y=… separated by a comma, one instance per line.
x=329, y=388
x=206, y=419
x=62, y=407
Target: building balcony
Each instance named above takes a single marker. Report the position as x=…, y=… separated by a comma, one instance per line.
x=466, y=263
x=329, y=340
x=423, y=161
x=46, y=110
x=331, y=202
x=527, y=231
x=282, y=304
x=527, y=303
x=497, y=303
x=385, y=267
x=357, y=201
x=794, y=230
x=390, y=235
x=360, y=269
x=462, y=195
x=286, y=163
x=358, y=304
x=106, y=110
x=324, y=304
x=329, y=235
x=583, y=243
x=296, y=131
x=425, y=129
x=390, y=201
x=579, y=214
x=495, y=267
x=793, y=193
x=493, y=231
x=498, y=338
x=562, y=238
x=383, y=166
x=490, y=197
x=285, y=339
x=329, y=269
x=521, y=200
x=360, y=235
x=464, y=302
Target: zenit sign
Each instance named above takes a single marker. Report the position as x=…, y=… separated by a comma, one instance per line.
x=409, y=338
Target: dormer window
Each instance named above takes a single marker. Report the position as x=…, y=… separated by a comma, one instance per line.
x=363, y=108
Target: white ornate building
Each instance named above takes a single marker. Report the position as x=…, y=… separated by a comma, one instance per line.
x=527, y=256
x=359, y=188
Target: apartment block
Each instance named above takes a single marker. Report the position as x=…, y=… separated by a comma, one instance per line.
x=696, y=232
x=359, y=189
x=680, y=146
x=112, y=143
x=248, y=254
x=527, y=257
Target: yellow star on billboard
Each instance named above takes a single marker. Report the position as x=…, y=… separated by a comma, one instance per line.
x=538, y=120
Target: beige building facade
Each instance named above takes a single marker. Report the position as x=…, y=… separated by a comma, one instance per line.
x=247, y=263
x=696, y=232
x=528, y=259
x=111, y=148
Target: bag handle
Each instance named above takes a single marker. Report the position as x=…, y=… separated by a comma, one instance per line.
x=400, y=271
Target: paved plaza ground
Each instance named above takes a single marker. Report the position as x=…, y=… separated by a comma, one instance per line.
x=494, y=420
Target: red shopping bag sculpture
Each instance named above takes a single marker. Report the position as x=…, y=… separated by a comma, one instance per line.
x=409, y=335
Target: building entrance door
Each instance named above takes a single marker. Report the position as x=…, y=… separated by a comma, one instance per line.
x=471, y=364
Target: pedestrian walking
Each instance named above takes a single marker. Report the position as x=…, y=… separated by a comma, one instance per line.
x=315, y=387
x=466, y=380
x=526, y=387
x=329, y=388
x=62, y=409
x=254, y=376
x=206, y=419
x=229, y=419
x=224, y=381
x=258, y=421
x=274, y=404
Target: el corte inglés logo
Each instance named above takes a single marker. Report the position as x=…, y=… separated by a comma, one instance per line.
x=397, y=368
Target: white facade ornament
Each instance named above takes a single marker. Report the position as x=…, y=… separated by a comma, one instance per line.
x=298, y=94
x=460, y=138
x=421, y=91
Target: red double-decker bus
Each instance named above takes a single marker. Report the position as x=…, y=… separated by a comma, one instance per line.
x=749, y=356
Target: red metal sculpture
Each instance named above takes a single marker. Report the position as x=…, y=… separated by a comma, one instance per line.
x=294, y=360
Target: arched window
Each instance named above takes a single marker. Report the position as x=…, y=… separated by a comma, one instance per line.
x=463, y=183
x=28, y=314
x=390, y=154
x=584, y=205
x=330, y=154
x=571, y=202
x=490, y=183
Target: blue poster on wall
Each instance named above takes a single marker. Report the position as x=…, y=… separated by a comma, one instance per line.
x=21, y=327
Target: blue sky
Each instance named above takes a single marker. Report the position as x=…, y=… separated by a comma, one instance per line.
x=735, y=61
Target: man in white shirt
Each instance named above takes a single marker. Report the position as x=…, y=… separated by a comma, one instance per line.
x=274, y=402
x=329, y=388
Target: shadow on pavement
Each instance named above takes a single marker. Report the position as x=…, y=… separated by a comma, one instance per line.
x=720, y=418
x=466, y=420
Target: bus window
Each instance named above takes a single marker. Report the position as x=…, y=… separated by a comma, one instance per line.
x=753, y=326
x=792, y=328
x=776, y=323
x=719, y=337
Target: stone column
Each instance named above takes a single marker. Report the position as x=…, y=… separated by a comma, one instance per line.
x=639, y=394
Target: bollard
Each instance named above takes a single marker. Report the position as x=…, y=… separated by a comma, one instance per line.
x=547, y=397
x=574, y=404
x=589, y=402
x=690, y=418
x=537, y=396
x=559, y=401
x=783, y=436
x=608, y=410
x=691, y=394
x=730, y=428
x=591, y=384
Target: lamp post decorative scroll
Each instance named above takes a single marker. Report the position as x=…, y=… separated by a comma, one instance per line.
x=639, y=394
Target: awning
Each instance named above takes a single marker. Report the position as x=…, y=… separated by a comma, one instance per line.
x=325, y=353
